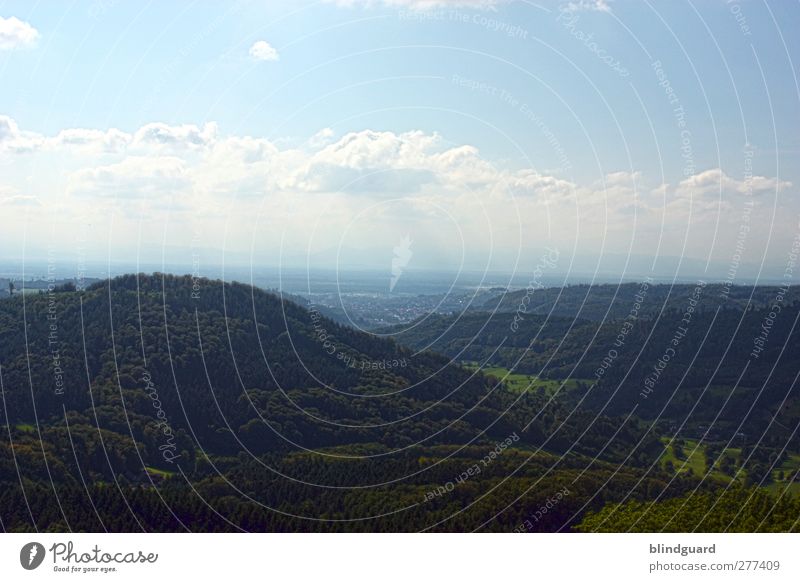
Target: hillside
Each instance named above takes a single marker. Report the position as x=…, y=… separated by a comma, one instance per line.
x=148, y=398
x=725, y=375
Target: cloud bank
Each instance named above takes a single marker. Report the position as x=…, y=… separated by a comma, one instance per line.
x=367, y=185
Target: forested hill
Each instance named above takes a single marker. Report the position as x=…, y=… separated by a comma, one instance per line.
x=728, y=368
x=163, y=403
x=169, y=366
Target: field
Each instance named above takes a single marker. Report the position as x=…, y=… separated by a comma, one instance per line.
x=519, y=382
x=160, y=473
x=691, y=457
x=790, y=467
x=686, y=456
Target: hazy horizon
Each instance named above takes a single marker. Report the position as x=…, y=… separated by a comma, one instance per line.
x=484, y=134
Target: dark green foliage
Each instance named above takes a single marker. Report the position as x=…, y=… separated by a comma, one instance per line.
x=711, y=378
x=164, y=403
x=734, y=510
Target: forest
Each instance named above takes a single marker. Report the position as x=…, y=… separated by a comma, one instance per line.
x=172, y=403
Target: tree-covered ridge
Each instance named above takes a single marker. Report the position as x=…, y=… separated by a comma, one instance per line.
x=150, y=402
x=730, y=369
x=730, y=510
x=238, y=367
x=234, y=493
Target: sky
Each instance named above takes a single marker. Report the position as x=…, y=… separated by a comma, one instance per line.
x=633, y=137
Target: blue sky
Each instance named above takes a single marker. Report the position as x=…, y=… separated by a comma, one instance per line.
x=485, y=130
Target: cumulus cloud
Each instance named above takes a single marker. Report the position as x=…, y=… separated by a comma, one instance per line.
x=16, y=34
x=621, y=178
x=149, y=138
x=327, y=180
x=14, y=140
x=263, y=51
x=111, y=141
x=175, y=136
x=366, y=160
x=373, y=162
x=9, y=130
x=533, y=184
x=714, y=181
x=241, y=166
x=376, y=161
x=322, y=138
x=136, y=177
x=375, y=149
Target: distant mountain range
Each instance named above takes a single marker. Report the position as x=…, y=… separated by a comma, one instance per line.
x=598, y=302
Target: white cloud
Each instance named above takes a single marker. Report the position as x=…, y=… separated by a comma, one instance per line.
x=586, y=6
x=136, y=177
x=149, y=138
x=464, y=167
x=241, y=166
x=376, y=161
x=532, y=183
x=263, y=51
x=111, y=141
x=367, y=161
x=622, y=178
x=322, y=138
x=175, y=136
x=715, y=181
x=14, y=140
x=326, y=182
x=377, y=149
x=9, y=130
x=16, y=34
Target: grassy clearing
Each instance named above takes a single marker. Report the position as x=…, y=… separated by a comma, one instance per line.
x=159, y=472
x=684, y=457
x=778, y=488
x=693, y=457
x=789, y=468
x=520, y=382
